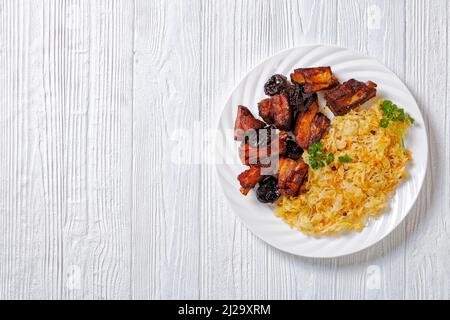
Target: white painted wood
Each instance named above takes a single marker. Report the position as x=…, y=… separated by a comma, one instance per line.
x=97, y=100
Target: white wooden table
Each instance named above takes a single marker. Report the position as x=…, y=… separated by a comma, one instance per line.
x=92, y=203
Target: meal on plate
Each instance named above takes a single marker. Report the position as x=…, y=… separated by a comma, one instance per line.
x=325, y=176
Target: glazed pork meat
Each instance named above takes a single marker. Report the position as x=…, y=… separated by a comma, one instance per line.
x=291, y=175
x=262, y=146
x=349, y=95
x=311, y=125
x=277, y=111
x=245, y=121
x=318, y=128
x=314, y=79
x=249, y=179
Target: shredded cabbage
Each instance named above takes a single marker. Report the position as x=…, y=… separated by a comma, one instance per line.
x=342, y=196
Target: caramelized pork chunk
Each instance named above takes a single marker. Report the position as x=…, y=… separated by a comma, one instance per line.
x=249, y=179
x=314, y=79
x=349, y=95
x=277, y=110
x=262, y=146
x=311, y=126
x=291, y=175
x=245, y=121
x=318, y=128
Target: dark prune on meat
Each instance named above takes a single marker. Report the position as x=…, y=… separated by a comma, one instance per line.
x=268, y=191
x=308, y=98
x=276, y=85
x=296, y=99
x=293, y=150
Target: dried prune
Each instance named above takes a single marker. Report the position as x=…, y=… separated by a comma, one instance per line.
x=276, y=85
x=293, y=151
x=309, y=98
x=296, y=99
x=268, y=191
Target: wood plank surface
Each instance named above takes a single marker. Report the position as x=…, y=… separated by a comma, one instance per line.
x=107, y=113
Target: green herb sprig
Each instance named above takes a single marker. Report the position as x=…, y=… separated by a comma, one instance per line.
x=345, y=159
x=317, y=158
x=391, y=112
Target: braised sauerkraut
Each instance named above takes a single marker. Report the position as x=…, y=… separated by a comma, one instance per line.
x=340, y=197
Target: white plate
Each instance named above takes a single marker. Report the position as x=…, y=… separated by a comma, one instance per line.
x=260, y=218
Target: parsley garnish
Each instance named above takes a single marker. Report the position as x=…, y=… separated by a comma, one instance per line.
x=391, y=112
x=345, y=159
x=317, y=158
x=330, y=158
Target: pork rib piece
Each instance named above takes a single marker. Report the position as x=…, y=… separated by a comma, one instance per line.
x=314, y=79
x=291, y=175
x=350, y=95
x=311, y=126
x=249, y=179
x=245, y=121
x=277, y=110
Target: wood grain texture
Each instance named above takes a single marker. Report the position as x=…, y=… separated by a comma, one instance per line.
x=105, y=190
x=166, y=197
x=426, y=261
x=18, y=145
